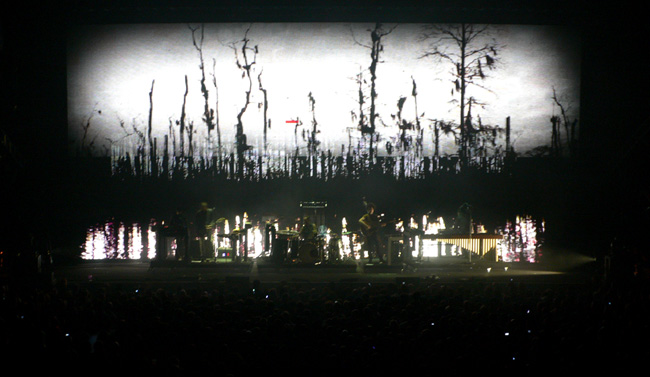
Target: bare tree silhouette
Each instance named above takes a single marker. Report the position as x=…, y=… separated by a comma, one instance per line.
x=470, y=50
x=313, y=142
x=360, y=116
x=267, y=122
x=181, y=121
x=197, y=41
x=152, y=149
x=376, y=48
x=246, y=65
x=570, y=126
x=418, y=126
x=404, y=140
x=87, y=144
x=216, y=107
x=556, y=143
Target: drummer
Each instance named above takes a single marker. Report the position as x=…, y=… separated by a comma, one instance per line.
x=308, y=231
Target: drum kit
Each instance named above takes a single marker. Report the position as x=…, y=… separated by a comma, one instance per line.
x=289, y=247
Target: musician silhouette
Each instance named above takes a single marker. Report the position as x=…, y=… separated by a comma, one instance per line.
x=308, y=231
x=370, y=225
x=463, y=218
x=178, y=230
x=203, y=223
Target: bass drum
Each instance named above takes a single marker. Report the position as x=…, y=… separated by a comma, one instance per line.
x=308, y=252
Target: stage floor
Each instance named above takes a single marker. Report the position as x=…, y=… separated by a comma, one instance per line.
x=443, y=270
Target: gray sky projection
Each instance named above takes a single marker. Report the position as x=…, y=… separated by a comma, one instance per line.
x=111, y=69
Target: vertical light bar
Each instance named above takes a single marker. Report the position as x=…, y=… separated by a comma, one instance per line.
x=345, y=238
x=151, y=238
x=135, y=242
x=121, y=251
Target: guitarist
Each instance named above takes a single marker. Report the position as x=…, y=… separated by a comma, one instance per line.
x=370, y=226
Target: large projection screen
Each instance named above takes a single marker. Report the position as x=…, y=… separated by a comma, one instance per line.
x=271, y=90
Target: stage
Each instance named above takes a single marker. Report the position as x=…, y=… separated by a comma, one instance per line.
x=215, y=272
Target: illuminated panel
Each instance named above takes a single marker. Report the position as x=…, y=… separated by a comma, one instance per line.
x=122, y=242
x=479, y=244
x=517, y=241
x=94, y=246
x=151, y=241
x=135, y=242
x=121, y=249
x=520, y=241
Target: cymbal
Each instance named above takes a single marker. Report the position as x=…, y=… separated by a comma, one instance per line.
x=287, y=232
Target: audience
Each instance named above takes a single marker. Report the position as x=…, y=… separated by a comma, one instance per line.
x=468, y=328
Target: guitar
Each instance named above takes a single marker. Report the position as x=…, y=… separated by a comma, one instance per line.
x=371, y=229
x=371, y=223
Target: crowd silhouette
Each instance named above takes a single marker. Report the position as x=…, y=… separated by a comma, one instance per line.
x=228, y=329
